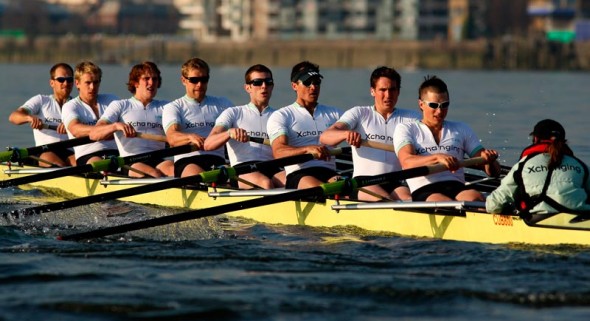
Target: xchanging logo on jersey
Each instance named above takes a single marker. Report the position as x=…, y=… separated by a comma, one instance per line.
x=199, y=124
x=53, y=120
x=309, y=133
x=143, y=124
x=563, y=167
x=434, y=149
x=257, y=134
x=385, y=138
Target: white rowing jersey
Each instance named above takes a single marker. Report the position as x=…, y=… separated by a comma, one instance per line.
x=373, y=127
x=252, y=121
x=457, y=139
x=194, y=117
x=303, y=129
x=147, y=120
x=48, y=110
x=76, y=109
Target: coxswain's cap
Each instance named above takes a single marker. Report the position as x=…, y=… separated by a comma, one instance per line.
x=547, y=128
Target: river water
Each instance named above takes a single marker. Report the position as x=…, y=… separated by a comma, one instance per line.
x=234, y=270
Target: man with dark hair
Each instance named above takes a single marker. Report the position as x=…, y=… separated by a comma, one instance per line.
x=435, y=140
x=141, y=113
x=375, y=123
x=237, y=124
x=296, y=129
x=43, y=110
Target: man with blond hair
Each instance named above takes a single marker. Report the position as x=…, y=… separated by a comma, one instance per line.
x=80, y=114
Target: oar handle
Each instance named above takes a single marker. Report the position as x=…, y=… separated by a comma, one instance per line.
x=157, y=138
x=475, y=161
x=260, y=140
x=51, y=127
x=378, y=145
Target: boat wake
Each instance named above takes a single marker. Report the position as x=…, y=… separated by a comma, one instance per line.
x=100, y=215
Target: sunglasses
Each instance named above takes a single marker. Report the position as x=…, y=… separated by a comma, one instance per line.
x=62, y=79
x=309, y=82
x=196, y=80
x=433, y=105
x=259, y=81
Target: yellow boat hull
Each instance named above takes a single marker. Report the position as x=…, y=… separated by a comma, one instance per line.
x=460, y=225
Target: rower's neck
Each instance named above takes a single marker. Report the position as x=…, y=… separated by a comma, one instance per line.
x=144, y=101
x=309, y=106
x=259, y=105
x=61, y=100
x=385, y=112
x=435, y=129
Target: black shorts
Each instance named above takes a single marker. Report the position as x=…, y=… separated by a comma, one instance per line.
x=447, y=188
x=63, y=153
x=151, y=162
x=101, y=153
x=321, y=173
x=387, y=187
x=206, y=162
x=268, y=171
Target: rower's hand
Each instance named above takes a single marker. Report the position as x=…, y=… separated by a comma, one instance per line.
x=127, y=129
x=239, y=134
x=61, y=129
x=353, y=138
x=196, y=140
x=451, y=162
x=489, y=155
x=319, y=152
x=35, y=122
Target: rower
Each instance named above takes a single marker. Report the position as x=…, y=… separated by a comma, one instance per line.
x=378, y=123
x=190, y=119
x=80, y=114
x=434, y=140
x=296, y=129
x=42, y=111
x=236, y=125
x=141, y=113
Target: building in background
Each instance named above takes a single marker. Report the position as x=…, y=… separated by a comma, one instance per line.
x=244, y=20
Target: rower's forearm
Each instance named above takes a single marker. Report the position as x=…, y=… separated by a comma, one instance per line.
x=417, y=161
x=102, y=132
x=178, y=139
x=80, y=130
x=333, y=137
x=215, y=141
x=286, y=151
x=18, y=117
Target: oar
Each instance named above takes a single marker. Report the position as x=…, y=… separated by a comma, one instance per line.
x=378, y=145
x=16, y=154
x=205, y=177
x=110, y=164
x=364, y=142
x=322, y=190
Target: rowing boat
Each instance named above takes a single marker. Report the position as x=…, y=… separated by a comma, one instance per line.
x=461, y=221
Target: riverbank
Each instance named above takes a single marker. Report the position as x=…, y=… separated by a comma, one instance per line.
x=505, y=54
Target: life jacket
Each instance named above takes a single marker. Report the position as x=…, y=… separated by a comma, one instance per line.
x=538, y=148
x=524, y=201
